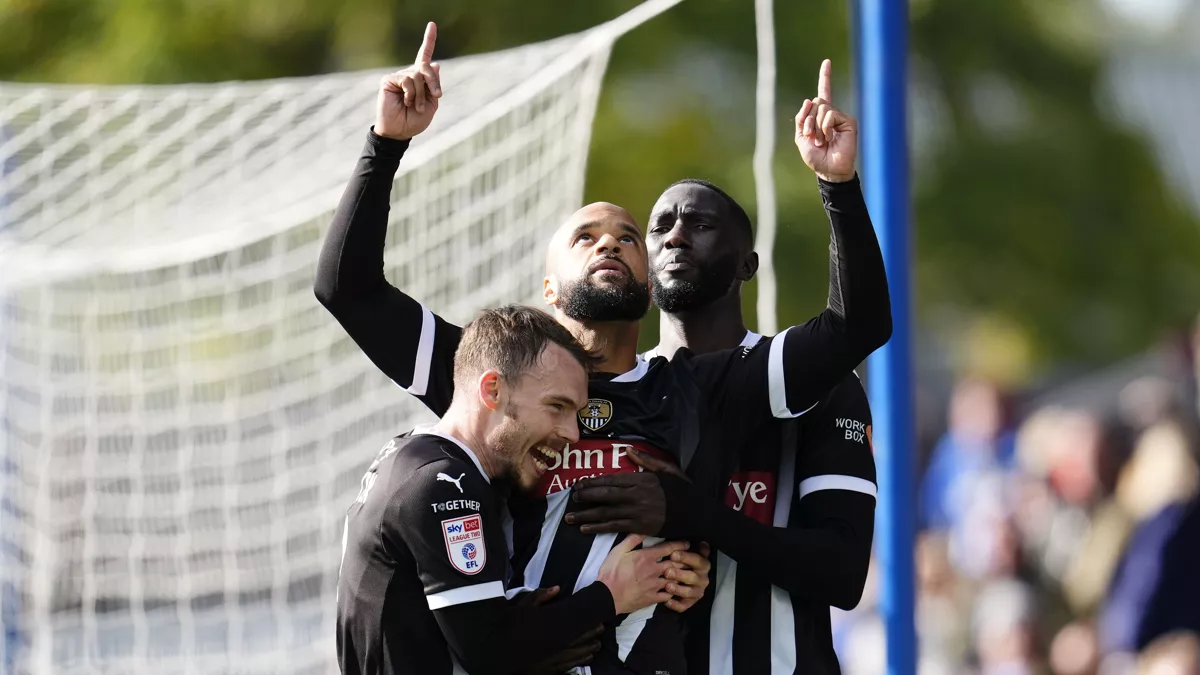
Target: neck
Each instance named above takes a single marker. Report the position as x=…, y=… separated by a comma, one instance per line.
x=615, y=342
x=470, y=428
x=717, y=325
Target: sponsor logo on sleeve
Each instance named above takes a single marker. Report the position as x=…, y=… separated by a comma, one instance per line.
x=457, y=481
x=464, y=543
x=753, y=493
x=455, y=505
x=856, y=431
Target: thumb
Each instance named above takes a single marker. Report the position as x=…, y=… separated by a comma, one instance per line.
x=629, y=543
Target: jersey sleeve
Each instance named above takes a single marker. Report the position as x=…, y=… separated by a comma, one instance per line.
x=407, y=342
x=451, y=521
x=835, y=450
x=785, y=376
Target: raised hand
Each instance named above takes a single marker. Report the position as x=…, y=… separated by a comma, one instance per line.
x=827, y=137
x=408, y=98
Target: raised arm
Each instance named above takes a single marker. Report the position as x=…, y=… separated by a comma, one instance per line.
x=814, y=356
x=410, y=344
x=788, y=374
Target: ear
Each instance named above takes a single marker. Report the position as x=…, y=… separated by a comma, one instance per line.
x=748, y=268
x=490, y=385
x=550, y=290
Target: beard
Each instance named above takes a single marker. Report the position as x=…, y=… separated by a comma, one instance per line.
x=584, y=300
x=507, y=442
x=712, y=283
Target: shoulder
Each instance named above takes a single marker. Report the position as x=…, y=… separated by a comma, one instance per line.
x=436, y=468
x=847, y=399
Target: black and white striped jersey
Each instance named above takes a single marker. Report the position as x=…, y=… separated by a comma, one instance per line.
x=425, y=566
x=693, y=409
x=794, y=474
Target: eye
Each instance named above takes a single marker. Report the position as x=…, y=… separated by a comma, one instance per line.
x=584, y=238
x=558, y=407
x=627, y=239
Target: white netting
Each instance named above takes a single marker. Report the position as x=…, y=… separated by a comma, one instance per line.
x=183, y=424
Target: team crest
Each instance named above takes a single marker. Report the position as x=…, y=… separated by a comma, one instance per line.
x=464, y=543
x=596, y=413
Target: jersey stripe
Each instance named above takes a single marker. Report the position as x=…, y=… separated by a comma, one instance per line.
x=783, y=618
x=457, y=596
x=601, y=545
x=420, y=380
x=628, y=631
x=720, y=635
x=834, y=482
x=556, y=508
x=777, y=383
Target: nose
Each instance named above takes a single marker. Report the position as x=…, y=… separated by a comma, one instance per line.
x=570, y=431
x=677, y=237
x=608, y=244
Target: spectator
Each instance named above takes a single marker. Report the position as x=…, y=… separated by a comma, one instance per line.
x=978, y=441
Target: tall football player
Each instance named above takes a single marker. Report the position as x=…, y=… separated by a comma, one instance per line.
x=802, y=490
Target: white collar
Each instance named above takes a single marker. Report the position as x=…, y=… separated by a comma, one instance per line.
x=639, y=370
x=430, y=431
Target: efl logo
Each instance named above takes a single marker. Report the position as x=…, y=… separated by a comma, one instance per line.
x=590, y=458
x=464, y=543
x=753, y=493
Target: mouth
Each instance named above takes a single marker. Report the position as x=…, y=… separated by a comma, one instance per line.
x=609, y=266
x=678, y=264
x=544, y=457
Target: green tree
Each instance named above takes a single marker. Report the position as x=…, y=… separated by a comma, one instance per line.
x=1030, y=204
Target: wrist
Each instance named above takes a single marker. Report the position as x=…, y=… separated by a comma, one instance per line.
x=384, y=132
x=683, y=509
x=386, y=147
x=611, y=592
x=836, y=177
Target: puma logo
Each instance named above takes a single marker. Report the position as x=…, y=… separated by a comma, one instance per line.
x=457, y=481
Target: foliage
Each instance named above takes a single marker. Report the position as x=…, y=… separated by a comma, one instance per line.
x=1030, y=204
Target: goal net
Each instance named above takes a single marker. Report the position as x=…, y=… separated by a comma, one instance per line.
x=183, y=425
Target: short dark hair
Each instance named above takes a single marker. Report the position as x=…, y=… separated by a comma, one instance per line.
x=736, y=211
x=510, y=339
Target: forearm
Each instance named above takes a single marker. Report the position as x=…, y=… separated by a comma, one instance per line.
x=830, y=550
x=406, y=341
x=494, y=637
x=811, y=358
x=858, y=289
x=351, y=262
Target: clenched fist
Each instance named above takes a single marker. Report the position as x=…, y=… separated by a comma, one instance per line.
x=827, y=137
x=408, y=98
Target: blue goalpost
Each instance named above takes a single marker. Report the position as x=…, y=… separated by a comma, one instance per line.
x=881, y=50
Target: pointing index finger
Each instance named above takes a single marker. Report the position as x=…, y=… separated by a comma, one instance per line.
x=425, y=54
x=824, y=82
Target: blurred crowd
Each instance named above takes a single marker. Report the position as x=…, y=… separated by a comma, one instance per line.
x=1054, y=536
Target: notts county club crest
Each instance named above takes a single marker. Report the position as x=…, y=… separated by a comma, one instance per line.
x=596, y=413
